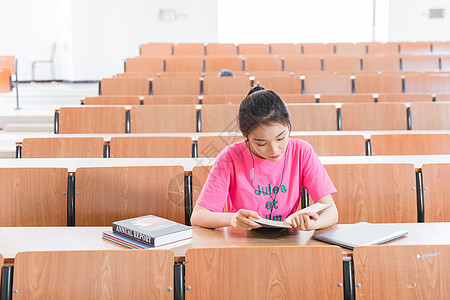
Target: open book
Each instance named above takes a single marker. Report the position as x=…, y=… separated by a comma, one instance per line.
x=265, y=223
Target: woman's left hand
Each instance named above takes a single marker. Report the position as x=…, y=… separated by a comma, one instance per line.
x=303, y=220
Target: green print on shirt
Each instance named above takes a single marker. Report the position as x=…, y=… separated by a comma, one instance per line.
x=268, y=190
x=275, y=218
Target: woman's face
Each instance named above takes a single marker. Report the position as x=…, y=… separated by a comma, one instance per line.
x=269, y=141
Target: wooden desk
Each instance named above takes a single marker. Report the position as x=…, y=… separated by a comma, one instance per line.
x=17, y=239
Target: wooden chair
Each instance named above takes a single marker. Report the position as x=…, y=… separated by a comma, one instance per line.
x=5, y=80
x=113, y=100
x=281, y=85
x=442, y=97
x=8, y=62
x=156, y=49
x=317, y=48
x=146, y=146
x=445, y=63
x=192, y=49
x=336, y=145
x=435, y=191
x=346, y=98
x=172, y=99
x=210, y=146
x=306, y=117
x=199, y=176
x=410, y=144
x=186, y=64
x=107, y=194
x=219, y=118
x=163, y=118
x=333, y=63
x=303, y=64
x=420, y=63
x=351, y=49
x=328, y=84
x=381, y=63
x=441, y=47
x=298, y=98
x=226, y=85
x=94, y=274
x=223, y=99
x=125, y=86
x=382, y=48
x=58, y=147
x=415, y=47
x=377, y=193
x=221, y=49
x=253, y=49
x=218, y=63
x=91, y=119
x=144, y=64
x=33, y=197
x=430, y=116
x=238, y=272
x=433, y=84
x=262, y=63
x=401, y=271
x=378, y=83
x=373, y=116
x=285, y=49
x=396, y=97
x=176, y=86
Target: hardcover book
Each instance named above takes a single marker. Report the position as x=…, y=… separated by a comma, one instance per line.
x=133, y=244
x=152, y=230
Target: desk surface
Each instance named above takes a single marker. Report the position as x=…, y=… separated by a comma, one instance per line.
x=17, y=239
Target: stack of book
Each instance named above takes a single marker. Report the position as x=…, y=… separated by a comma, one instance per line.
x=149, y=232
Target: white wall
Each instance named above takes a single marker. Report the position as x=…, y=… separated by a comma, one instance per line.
x=408, y=20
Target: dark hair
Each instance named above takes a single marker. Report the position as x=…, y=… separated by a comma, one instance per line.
x=262, y=107
x=225, y=72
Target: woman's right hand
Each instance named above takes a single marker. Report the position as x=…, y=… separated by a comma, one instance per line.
x=240, y=220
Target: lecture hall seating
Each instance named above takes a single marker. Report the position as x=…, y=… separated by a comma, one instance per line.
x=143, y=64
x=189, y=49
x=410, y=144
x=306, y=117
x=336, y=145
x=373, y=116
x=281, y=85
x=430, y=116
x=145, y=146
x=94, y=274
x=435, y=192
x=113, y=100
x=382, y=83
x=156, y=49
x=266, y=63
x=189, y=85
x=327, y=84
x=59, y=147
x=253, y=49
x=283, y=49
x=184, y=64
x=227, y=85
x=219, y=118
x=346, y=98
x=91, y=119
x=224, y=49
x=302, y=64
x=125, y=86
x=342, y=64
x=214, y=64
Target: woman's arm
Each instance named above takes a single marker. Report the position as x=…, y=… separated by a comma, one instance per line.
x=311, y=220
x=204, y=217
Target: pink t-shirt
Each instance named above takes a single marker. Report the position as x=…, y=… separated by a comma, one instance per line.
x=230, y=181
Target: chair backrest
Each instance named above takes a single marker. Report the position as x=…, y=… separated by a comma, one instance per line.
x=415, y=47
x=262, y=63
x=125, y=86
x=346, y=98
x=92, y=119
x=33, y=197
x=297, y=98
x=302, y=64
x=373, y=116
x=237, y=272
x=96, y=274
x=157, y=49
x=76, y=147
x=113, y=100
x=410, y=144
x=328, y=84
x=219, y=118
x=442, y=97
x=108, y=194
x=435, y=191
x=421, y=83
x=146, y=146
x=226, y=85
x=221, y=49
x=171, y=99
x=194, y=49
x=350, y=49
x=381, y=63
x=145, y=64
x=377, y=193
x=378, y=83
x=420, y=63
x=176, y=86
x=397, y=97
x=430, y=116
x=188, y=64
x=5, y=80
x=383, y=48
x=401, y=271
x=317, y=48
x=281, y=84
x=340, y=145
x=445, y=63
x=441, y=47
x=340, y=63
x=223, y=99
x=8, y=62
x=210, y=146
x=253, y=49
x=218, y=63
x=285, y=49
x=199, y=176
x=305, y=117
x=163, y=118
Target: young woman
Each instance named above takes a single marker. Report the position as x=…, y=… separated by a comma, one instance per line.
x=263, y=176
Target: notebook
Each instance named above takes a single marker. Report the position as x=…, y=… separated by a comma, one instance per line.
x=360, y=234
